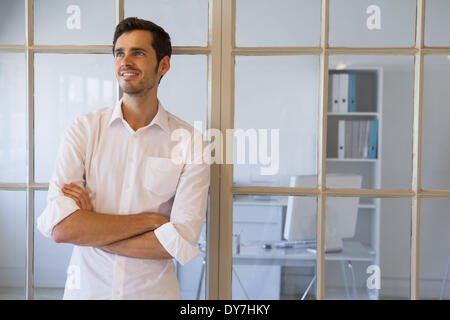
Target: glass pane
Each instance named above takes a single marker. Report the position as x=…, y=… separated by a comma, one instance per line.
x=272, y=241
x=282, y=139
x=434, y=249
x=183, y=90
x=435, y=133
x=13, y=245
x=67, y=86
x=274, y=23
x=367, y=248
x=371, y=98
x=50, y=259
x=437, y=23
x=13, y=117
x=372, y=23
x=78, y=22
x=12, y=22
x=185, y=21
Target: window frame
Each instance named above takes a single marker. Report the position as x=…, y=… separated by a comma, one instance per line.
x=321, y=192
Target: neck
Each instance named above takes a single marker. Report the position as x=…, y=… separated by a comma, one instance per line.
x=139, y=110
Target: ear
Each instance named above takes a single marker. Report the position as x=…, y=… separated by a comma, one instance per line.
x=164, y=66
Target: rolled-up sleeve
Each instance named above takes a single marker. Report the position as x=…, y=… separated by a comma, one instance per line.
x=179, y=236
x=69, y=169
x=57, y=209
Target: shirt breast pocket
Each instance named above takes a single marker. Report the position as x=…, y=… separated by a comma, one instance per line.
x=161, y=176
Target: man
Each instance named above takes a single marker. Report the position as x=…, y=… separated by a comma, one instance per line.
x=117, y=194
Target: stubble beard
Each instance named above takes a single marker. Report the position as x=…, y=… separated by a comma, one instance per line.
x=141, y=88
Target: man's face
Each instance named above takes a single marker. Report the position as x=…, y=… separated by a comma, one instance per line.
x=136, y=65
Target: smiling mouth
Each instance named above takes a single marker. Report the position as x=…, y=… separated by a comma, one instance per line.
x=129, y=74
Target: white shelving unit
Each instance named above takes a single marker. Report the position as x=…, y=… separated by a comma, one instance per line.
x=369, y=84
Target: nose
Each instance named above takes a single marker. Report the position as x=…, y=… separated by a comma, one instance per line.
x=126, y=60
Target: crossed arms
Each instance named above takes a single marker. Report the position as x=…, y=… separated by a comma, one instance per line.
x=128, y=235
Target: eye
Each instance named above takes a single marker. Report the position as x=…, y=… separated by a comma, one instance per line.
x=119, y=54
x=139, y=53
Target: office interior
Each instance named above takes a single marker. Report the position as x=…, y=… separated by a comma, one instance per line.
x=259, y=66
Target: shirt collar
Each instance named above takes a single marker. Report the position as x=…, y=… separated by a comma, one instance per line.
x=161, y=118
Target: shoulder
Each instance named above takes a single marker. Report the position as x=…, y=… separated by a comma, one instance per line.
x=175, y=123
x=191, y=137
x=89, y=122
x=94, y=116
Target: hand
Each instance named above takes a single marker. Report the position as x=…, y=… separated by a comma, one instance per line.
x=79, y=195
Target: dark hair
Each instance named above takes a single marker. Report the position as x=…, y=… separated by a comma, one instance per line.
x=161, y=39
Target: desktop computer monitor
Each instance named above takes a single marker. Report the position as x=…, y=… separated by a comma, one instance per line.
x=341, y=212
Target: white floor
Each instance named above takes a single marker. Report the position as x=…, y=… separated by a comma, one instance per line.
x=39, y=293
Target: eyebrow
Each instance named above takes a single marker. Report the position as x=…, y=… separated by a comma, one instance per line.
x=132, y=49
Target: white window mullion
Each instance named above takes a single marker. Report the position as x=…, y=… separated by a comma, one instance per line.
x=417, y=151
x=214, y=103
x=29, y=264
x=226, y=170
x=321, y=165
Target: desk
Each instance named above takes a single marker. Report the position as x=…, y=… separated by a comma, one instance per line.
x=252, y=253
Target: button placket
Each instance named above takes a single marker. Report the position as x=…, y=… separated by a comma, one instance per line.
x=118, y=280
x=126, y=194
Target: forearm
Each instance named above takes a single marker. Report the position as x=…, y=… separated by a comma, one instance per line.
x=143, y=246
x=87, y=228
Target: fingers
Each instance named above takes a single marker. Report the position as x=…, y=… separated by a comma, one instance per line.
x=78, y=194
x=85, y=200
x=74, y=199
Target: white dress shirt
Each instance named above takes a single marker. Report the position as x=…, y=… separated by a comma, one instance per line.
x=128, y=172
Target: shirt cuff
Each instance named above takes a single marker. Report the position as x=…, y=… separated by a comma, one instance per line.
x=175, y=244
x=56, y=210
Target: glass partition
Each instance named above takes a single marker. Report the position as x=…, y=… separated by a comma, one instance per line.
x=269, y=23
x=74, y=22
x=434, y=249
x=67, y=86
x=12, y=22
x=282, y=139
x=370, y=119
x=185, y=21
x=367, y=248
x=437, y=23
x=12, y=255
x=273, y=238
x=183, y=90
x=13, y=117
x=435, y=133
x=372, y=23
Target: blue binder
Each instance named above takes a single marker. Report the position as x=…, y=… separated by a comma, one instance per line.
x=373, y=139
x=351, y=92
